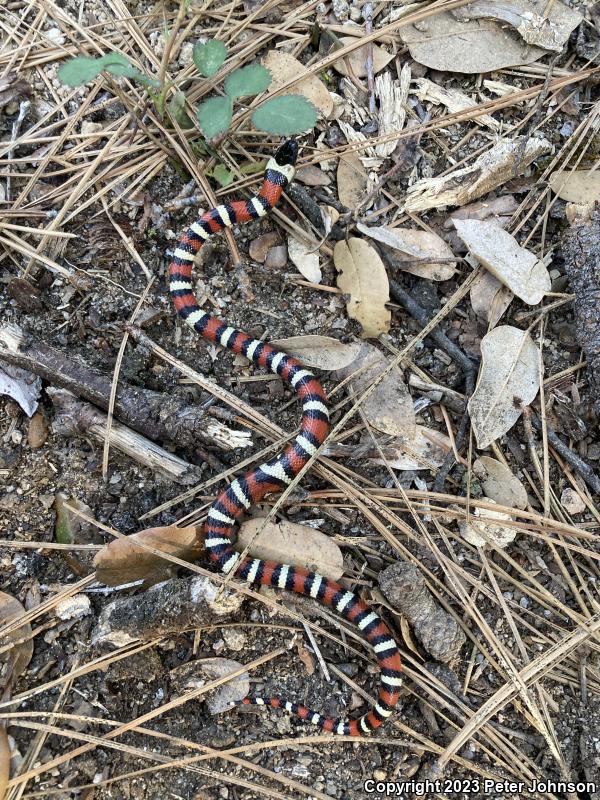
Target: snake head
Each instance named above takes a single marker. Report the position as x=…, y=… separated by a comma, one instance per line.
x=287, y=153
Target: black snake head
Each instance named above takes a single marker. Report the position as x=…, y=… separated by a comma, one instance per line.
x=287, y=153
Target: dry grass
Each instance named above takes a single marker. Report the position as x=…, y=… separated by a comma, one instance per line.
x=534, y=647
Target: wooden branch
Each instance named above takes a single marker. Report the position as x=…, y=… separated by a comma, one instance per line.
x=76, y=418
x=158, y=416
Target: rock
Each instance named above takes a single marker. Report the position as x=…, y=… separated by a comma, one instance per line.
x=276, y=257
x=260, y=247
x=572, y=502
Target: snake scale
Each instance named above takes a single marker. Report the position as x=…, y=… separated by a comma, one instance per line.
x=276, y=474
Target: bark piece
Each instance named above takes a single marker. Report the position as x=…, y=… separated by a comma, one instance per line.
x=73, y=417
x=167, y=608
x=504, y=161
x=158, y=416
x=405, y=589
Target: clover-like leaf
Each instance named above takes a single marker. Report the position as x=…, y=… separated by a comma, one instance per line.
x=285, y=115
x=214, y=116
x=248, y=80
x=209, y=56
x=79, y=70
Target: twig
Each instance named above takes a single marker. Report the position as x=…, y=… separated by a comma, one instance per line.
x=456, y=354
x=572, y=459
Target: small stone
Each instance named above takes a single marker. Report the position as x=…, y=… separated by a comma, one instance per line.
x=572, y=502
x=37, y=432
x=341, y=10
x=186, y=54
x=55, y=35
x=276, y=257
x=234, y=639
x=379, y=774
x=74, y=607
x=88, y=127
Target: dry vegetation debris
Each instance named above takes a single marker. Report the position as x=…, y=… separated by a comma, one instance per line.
x=445, y=209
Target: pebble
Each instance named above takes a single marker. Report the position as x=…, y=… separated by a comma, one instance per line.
x=276, y=257
x=73, y=607
x=55, y=35
x=341, y=10
x=572, y=502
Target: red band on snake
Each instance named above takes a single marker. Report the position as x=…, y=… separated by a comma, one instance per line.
x=278, y=473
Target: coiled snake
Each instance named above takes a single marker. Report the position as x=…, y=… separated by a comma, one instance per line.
x=280, y=471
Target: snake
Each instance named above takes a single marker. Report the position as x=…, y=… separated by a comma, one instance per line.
x=276, y=474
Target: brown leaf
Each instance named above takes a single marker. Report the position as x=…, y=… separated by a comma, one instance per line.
x=389, y=407
x=123, y=561
x=358, y=59
x=13, y=661
x=290, y=543
x=362, y=275
x=421, y=249
x=284, y=67
x=321, y=352
x=351, y=180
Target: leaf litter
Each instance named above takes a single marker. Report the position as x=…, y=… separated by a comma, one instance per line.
x=409, y=144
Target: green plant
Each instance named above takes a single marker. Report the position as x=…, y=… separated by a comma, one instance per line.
x=285, y=115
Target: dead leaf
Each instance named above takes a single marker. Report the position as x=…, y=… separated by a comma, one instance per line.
x=22, y=385
x=499, y=483
x=577, y=186
x=480, y=532
x=358, y=59
x=320, y=352
x=501, y=163
x=289, y=543
x=284, y=67
x=123, y=561
x=389, y=408
x=427, y=450
x=489, y=297
x=363, y=277
x=407, y=637
x=549, y=28
x=518, y=269
x=352, y=180
x=485, y=45
x=14, y=660
x=424, y=246
x=508, y=381
x=196, y=674
x=306, y=658
x=305, y=258
x=310, y=175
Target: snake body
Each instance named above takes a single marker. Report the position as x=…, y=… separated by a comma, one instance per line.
x=276, y=474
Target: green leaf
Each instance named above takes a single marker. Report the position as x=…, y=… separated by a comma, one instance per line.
x=248, y=80
x=214, y=116
x=209, y=57
x=79, y=70
x=221, y=174
x=176, y=106
x=290, y=113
